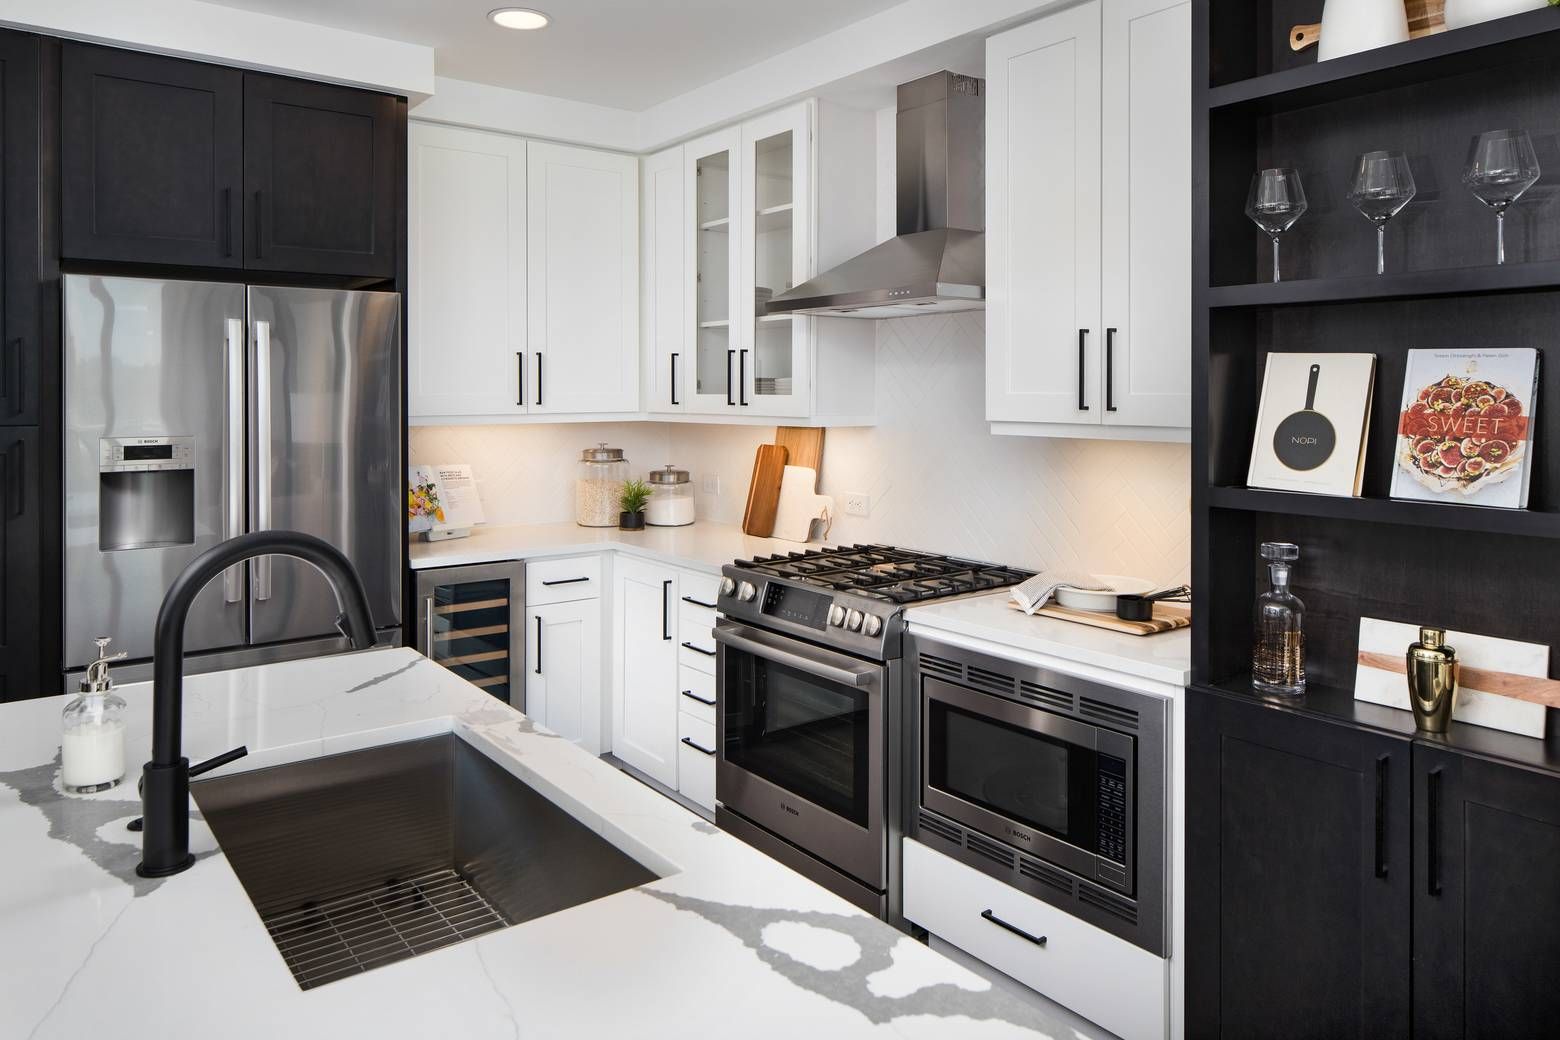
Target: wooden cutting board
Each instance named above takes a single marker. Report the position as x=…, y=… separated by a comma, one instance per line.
x=764, y=490
x=804, y=447
x=1167, y=618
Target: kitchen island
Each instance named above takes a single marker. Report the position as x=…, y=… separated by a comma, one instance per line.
x=726, y=942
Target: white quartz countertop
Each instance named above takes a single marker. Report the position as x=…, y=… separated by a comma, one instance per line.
x=1164, y=658
x=702, y=546
x=726, y=943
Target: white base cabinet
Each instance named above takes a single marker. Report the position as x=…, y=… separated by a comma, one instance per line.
x=1088, y=242
x=563, y=670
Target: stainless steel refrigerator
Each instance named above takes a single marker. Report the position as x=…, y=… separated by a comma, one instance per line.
x=196, y=411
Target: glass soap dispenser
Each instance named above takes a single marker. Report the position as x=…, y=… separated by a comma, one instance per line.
x=1278, y=656
x=92, y=747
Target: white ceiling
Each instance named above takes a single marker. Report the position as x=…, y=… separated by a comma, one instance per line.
x=628, y=54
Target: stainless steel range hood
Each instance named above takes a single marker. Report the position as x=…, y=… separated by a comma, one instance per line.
x=937, y=262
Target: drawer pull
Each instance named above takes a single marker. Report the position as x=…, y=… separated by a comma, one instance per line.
x=700, y=650
x=1038, y=940
x=695, y=697
x=565, y=581
x=698, y=602
x=707, y=751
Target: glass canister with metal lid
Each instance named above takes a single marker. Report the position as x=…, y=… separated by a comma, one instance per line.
x=602, y=473
x=671, y=504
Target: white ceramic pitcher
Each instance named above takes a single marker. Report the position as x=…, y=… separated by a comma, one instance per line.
x=1351, y=26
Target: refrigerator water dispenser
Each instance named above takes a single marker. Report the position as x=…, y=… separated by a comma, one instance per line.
x=146, y=492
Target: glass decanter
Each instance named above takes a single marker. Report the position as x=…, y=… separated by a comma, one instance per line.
x=1278, y=654
x=92, y=744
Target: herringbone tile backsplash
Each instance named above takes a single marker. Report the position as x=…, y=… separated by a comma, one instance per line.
x=936, y=477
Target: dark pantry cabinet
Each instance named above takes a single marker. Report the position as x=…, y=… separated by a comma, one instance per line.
x=175, y=162
x=21, y=295
x=21, y=504
x=1297, y=860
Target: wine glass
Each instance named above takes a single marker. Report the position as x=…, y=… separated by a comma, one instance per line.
x=1382, y=185
x=1501, y=166
x=1276, y=200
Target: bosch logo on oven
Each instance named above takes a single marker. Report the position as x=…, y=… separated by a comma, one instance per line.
x=790, y=810
x=1020, y=835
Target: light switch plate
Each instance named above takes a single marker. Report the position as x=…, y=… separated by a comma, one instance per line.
x=710, y=485
x=858, y=504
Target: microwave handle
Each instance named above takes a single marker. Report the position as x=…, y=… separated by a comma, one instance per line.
x=801, y=662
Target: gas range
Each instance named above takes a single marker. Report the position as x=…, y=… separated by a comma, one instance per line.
x=851, y=597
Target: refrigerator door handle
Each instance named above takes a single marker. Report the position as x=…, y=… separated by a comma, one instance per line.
x=233, y=455
x=262, y=428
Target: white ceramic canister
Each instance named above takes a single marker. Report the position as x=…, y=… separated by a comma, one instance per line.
x=1351, y=26
x=1471, y=12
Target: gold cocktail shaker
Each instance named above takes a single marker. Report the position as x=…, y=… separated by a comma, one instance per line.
x=1432, y=680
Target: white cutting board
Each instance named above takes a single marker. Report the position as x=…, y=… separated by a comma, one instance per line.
x=800, y=505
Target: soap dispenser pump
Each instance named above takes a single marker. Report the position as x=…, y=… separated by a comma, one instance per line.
x=92, y=746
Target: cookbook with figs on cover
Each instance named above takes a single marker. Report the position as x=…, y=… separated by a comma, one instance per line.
x=1465, y=435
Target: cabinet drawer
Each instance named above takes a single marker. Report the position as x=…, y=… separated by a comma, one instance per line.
x=695, y=618
x=699, y=588
x=696, y=645
x=696, y=694
x=695, y=762
x=562, y=580
x=1106, y=979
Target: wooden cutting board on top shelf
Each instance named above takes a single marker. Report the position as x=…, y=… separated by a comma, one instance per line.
x=804, y=447
x=758, y=519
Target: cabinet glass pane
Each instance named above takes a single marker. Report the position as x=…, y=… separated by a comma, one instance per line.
x=773, y=251
x=713, y=273
x=471, y=633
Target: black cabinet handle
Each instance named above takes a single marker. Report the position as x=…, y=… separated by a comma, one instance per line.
x=729, y=401
x=17, y=458
x=1110, y=370
x=695, y=697
x=538, y=377
x=700, y=650
x=666, y=610
x=565, y=581
x=227, y=221
x=1038, y=940
x=1433, y=831
x=698, y=602
x=1083, y=353
x=259, y=228
x=520, y=378
x=1381, y=815
x=538, y=668
x=674, y=379
x=698, y=747
x=742, y=378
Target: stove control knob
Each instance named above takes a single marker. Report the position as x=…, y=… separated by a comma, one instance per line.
x=727, y=586
x=853, y=620
x=836, y=615
x=872, y=625
x=746, y=592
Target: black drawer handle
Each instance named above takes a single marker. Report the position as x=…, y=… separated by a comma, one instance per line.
x=698, y=602
x=700, y=650
x=565, y=581
x=1381, y=815
x=696, y=747
x=1038, y=940
x=538, y=644
x=695, y=697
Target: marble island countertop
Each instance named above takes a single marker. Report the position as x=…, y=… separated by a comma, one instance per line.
x=726, y=943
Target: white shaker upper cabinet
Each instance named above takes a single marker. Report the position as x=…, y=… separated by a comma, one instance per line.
x=1043, y=219
x=662, y=246
x=582, y=237
x=467, y=315
x=712, y=193
x=1146, y=299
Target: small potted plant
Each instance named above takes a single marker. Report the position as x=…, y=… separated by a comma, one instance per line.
x=632, y=503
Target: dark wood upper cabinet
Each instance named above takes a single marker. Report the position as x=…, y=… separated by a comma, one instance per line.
x=20, y=294
x=1298, y=875
x=152, y=158
x=319, y=178
x=1486, y=898
x=21, y=569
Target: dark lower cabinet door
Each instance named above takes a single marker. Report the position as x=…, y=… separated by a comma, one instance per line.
x=20, y=567
x=319, y=178
x=151, y=158
x=20, y=293
x=1298, y=875
x=1486, y=899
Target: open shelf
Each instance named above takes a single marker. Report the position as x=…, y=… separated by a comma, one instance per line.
x=1533, y=523
x=1488, y=45
x=1401, y=286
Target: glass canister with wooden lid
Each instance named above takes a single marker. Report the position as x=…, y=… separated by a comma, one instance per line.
x=599, y=485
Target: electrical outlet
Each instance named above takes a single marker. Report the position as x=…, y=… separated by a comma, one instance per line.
x=858, y=504
x=710, y=485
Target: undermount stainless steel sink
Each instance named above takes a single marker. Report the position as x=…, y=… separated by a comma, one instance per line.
x=362, y=859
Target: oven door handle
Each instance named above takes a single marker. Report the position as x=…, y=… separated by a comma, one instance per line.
x=737, y=640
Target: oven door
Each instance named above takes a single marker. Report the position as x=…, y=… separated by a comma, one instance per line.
x=1030, y=778
x=801, y=743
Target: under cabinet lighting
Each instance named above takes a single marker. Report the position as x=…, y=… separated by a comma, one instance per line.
x=518, y=18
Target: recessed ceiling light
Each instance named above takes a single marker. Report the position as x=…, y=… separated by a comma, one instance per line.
x=518, y=18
